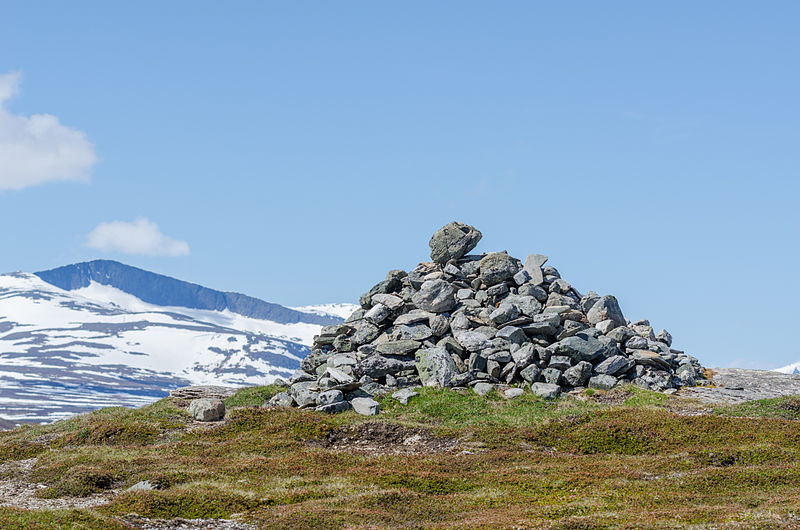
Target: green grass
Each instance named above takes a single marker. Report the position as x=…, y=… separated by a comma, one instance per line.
x=617, y=459
x=253, y=396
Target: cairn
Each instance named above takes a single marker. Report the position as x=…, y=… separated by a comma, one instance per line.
x=482, y=321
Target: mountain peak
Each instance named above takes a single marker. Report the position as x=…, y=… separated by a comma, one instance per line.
x=166, y=291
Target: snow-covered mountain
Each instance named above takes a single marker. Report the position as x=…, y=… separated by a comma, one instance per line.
x=793, y=368
x=102, y=333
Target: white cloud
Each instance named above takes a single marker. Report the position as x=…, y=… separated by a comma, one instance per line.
x=37, y=149
x=141, y=236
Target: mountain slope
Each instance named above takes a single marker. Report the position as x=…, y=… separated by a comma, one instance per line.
x=161, y=290
x=68, y=351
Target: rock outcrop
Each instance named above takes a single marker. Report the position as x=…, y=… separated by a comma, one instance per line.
x=484, y=321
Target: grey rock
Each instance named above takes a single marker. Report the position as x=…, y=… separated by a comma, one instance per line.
x=606, y=326
x=560, y=362
x=340, y=360
x=513, y=334
x=330, y=396
x=588, y=301
x=472, y=340
x=512, y=393
x=333, y=408
x=389, y=300
x=413, y=317
x=398, y=347
x=606, y=308
x=299, y=376
x=465, y=294
x=648, y=358
x=453, y=241
x=546, y=390
x=581, y=347
x=533, y=266
x=384, y=287
x=636, y=343
x=560, y=286
x=602, y=382
x=578, y=375
x=435, y=367
x=521, y=277
x=403, y=395
x=552, y=376
x=365, y=333
x=207, y=409
x=615, y=365
x=144, y=485
x=377, y=366
x=483, y=388
x=524, y=356
x=436, y=296
x=494, y=368
x=497, y=267
x=497, y=291
x=439, y=324
x=665, y=337
x=418, y=332
x=365, y=406
x=530, y=373
x=281, y=399
x=504, y=313
x=529, y=289
x=377, y=314
x=621, y=334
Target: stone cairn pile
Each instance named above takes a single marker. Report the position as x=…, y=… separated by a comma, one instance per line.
x=484, y=321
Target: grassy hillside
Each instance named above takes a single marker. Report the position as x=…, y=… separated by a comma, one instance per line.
x=622, y=459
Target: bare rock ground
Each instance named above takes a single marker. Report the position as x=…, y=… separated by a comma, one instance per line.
x=736, y=385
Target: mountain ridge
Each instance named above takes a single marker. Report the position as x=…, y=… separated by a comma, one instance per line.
x=162, y=290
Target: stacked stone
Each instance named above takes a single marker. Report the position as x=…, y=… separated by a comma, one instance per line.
x=485, y=321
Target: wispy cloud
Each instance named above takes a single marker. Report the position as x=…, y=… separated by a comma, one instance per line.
x=141, y=236
x=37, y=149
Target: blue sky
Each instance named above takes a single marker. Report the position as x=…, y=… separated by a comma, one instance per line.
x=297, y=151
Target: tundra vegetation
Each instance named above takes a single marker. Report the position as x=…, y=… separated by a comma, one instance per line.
x=621, y=458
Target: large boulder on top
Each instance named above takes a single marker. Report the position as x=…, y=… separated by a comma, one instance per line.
x=453, y=241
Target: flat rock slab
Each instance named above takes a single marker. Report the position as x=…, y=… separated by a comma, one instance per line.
x=736, y=385
x=203, y=391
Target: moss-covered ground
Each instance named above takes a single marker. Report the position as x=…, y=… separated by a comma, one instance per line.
x=624, y=459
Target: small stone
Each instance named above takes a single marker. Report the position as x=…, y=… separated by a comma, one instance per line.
x=398, y=347
x=513, y=334
x=389, y=300
x=472, y=340
x=665, y=337
x=602, y=382
x=281, y=399
x=560, y=362
x=330, y=396
x=533, y=266
x=365, y=406
x=144, y=485
x=333, y=408
x=605, y=326
x=207, y=409
x=581, y=347
x=615, y=365
x=439, y=325
x=404, y=395
x=483, y=388
x=521, y=277
x=552, y=376
x=453, y=241
x=417, y=332
x=504, y=313
x=377, y=366
x=578, y=375
x=377, y=314
x=546, y=390
x=512, y=393
x=497, y=291
x=465, y=294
